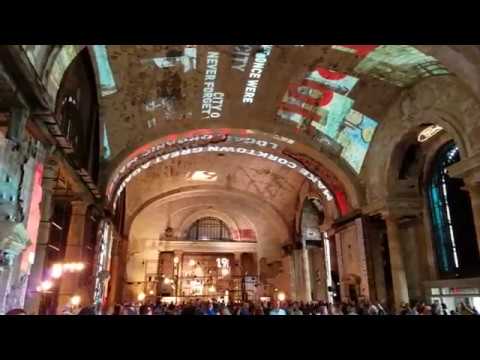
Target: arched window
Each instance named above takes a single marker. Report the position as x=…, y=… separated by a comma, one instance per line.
x=452, y=217
x=209, y=228
x=77, y=115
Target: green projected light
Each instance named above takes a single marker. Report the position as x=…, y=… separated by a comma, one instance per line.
x=400, y=65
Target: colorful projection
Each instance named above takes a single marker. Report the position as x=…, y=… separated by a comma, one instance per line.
x=355, y=137
x=335, y=81
x=400, y=65
x=319, y=106
x=105, y=75
x=313, y=105
x=359, y=50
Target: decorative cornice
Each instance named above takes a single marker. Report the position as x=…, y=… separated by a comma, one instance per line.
x=202, y=246
x=395, y=207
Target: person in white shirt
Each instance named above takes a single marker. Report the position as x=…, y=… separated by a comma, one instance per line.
x=277, y=310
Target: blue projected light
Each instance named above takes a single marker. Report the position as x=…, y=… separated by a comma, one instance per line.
x=107, y=82
x=106, y=145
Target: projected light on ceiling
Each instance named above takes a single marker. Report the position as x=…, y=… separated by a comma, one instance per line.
x=355, y=137
x=400, y=65
x=319, y=111
x=315, y=103
x=107, y=82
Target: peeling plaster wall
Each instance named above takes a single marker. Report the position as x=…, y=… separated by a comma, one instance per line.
x=17, y=168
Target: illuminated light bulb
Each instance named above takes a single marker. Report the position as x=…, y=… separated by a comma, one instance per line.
x=80, y=266
x=31, y=257
x=166, y=281
x=191, y=263
x=281, y=296
x=151, y=292
x=75, y=300
x=141, y=296
x=226, y=293
x=57, y=271
x=211, y=289
x=176, y=260
x=46, y=285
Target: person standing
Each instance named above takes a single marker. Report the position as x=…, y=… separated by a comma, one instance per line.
x=277, y=310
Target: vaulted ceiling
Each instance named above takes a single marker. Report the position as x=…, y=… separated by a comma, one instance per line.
x=322, y=106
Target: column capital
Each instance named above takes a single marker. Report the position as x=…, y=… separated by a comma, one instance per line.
x=79, y=207
x=472, y=187
x=468, y=169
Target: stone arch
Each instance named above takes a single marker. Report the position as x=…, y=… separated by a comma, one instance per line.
x=332, y=168
x=427, y=102
x=185, y=192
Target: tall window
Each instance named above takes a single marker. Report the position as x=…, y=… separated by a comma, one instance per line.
x=452, y=218
x=209, y=228
x=77, y=115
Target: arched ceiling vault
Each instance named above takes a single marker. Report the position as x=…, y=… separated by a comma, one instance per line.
x=265, y=184
x=331, y=101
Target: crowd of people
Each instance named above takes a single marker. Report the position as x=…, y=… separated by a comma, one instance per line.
x=249, y=308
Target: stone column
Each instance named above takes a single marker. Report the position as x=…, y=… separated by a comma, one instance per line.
x=378, y=267
x=399, y=278
x=292, y=276
x=114, y=271
x=425, y=237
x=302, y=275
x=178, y=273
x=69, y=283
x=5, y=279
x=306, y=273
x=237, y=269
x=33, y=299
x=318, y=274
x=18, y=121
